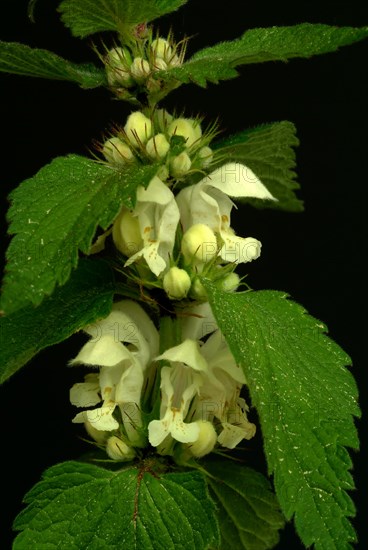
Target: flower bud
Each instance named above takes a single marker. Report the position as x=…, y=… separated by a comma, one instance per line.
x=159, y=64
x=138, y=128
x=199, y=242
x=118, y=450
x=140, y=68
x=118, y=61
x=163, y=173
x=175, y=61
x=116, y=151
x=99, y=436
x=157, y=147
x=206, y=440
x=180, y=165
x=230, y=282
x=197, y=291
x=161, y=48
x=126, y=233
x=206, y=156
x=176, y=283
x=189, y=128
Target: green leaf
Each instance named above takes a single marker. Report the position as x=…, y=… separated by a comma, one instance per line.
x=54, y=214
x=85, y=17
x=79, y=506
x=85, y=298
x=259, y=45
x=21, y=59
x=268, y=151
x=306, y=400
x=248, y=512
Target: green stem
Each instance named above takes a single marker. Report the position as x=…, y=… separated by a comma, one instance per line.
x=170, y=333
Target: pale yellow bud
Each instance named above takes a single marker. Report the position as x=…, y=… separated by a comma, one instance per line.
x=198, y=291
x=140, y=68
x=230, y=282
x=180, y=165
x=163, y=173
x=138, y=128
x=99, y=436
x=157, y=146
x=206, y=156
x=176, y=283
x=206, y=440
x=199, y=243
x=118, y=450
x=126, y=233
x=161, y=48
x=174, y=61
x=118, y=61
x=159, y=64
x=116, y=151
x=189, y=128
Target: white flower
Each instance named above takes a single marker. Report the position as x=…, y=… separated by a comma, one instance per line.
x=199, y=389
x=179, y=384
x=174, y=408
x=219, y=395
x=158, y=217
x=122, y=345
x=208, y=202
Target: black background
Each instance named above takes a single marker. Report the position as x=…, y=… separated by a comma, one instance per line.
x=318, y=256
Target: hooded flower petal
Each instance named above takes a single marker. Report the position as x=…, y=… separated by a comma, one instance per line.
x=198, y=322
x=127, y=324
x=237, y=180
x=218, y=355
x=158, y=217
x=103, y=352
x=141, y=321
x=188, y=353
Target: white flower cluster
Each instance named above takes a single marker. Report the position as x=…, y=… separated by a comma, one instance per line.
x=184, y=401
x=202, y=211
x=127, y=68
